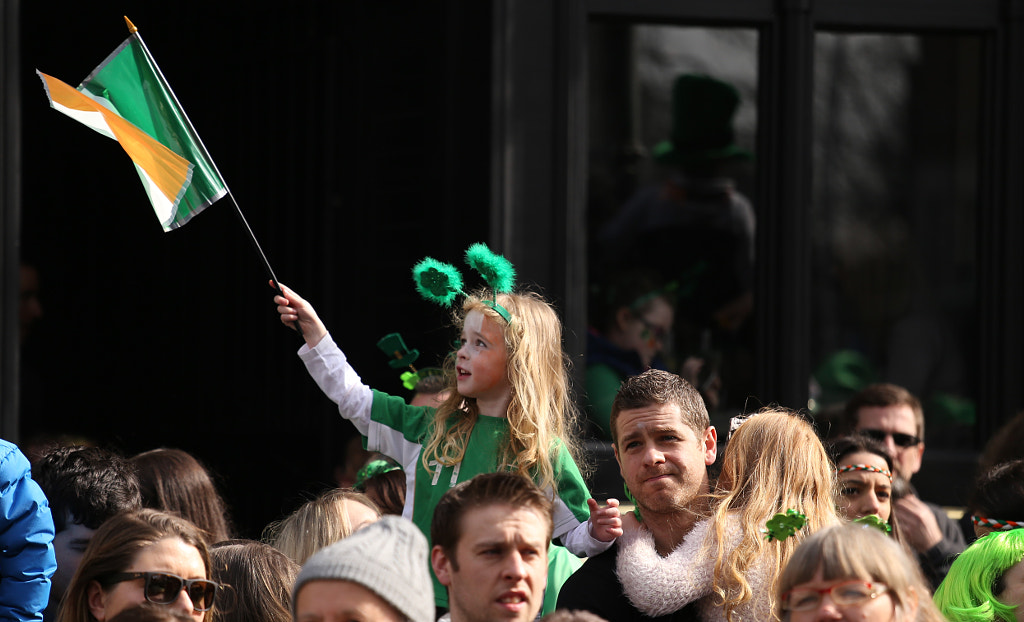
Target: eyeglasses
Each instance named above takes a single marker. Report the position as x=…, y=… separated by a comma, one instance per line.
x=652, y=331
x=843, y=594
x=162, y=588
x=899, y=438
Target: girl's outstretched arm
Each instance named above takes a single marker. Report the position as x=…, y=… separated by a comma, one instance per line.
x=293, y=308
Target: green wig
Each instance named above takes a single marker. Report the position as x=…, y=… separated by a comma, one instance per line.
x=969, y=591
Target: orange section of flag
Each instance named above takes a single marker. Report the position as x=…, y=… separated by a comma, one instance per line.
x=167, y=170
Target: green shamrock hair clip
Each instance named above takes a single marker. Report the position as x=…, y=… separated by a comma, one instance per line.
x=373, y=469
x=874, y=520
x=441, y=282
x=782, y=526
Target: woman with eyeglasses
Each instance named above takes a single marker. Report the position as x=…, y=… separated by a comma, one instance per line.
x=136, y=557
x=853, y=572
x=864, y=474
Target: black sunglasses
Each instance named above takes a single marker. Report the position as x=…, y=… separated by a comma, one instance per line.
x=899, y=438
x=162, y=588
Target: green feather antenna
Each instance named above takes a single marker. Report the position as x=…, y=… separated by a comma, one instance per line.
x=495, y=269
x=437, y=281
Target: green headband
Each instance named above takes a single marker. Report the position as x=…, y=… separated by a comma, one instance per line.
x=441, y=282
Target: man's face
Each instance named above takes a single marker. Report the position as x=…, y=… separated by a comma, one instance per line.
x=661, y=459
x=887, y=422
x=500, y=568
x=68, y=546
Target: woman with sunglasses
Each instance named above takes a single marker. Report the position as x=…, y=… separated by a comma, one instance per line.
x=853, y=572
x=137, y=557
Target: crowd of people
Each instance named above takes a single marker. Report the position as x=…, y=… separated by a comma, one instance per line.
x=474, y=509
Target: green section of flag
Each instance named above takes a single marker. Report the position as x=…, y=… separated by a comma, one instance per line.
x=130, y=83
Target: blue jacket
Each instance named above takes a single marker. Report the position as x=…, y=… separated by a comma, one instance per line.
x=26, y=539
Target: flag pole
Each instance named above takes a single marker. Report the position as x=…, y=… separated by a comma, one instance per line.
x=132, y=30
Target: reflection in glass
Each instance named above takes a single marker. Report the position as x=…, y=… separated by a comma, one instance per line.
x=671, y=231
x=893, y=217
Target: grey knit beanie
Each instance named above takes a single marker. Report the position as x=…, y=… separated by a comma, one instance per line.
x=388, y=557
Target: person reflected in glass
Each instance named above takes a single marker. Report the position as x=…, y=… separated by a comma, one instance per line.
x=632, y=317
x=694, y=227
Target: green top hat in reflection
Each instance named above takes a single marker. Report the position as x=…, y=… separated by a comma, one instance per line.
x=702, y=113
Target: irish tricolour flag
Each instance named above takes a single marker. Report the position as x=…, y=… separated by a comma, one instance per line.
x=126, y=98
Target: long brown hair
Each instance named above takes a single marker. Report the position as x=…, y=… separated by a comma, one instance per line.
x=260, y=579
x=174, y=481
x=115, y=546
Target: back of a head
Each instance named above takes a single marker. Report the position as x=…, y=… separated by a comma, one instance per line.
x=484, y=490
x=388, y=558
x=998, y=496
x=657, y=387
x=853, y=551
x=174, y=481
x=317, y=524
x=1005, y=445
x=387, y=490
x=971, y=590
x=86, y=485
x=775, y=462
x=116, y=544
x=260, y=579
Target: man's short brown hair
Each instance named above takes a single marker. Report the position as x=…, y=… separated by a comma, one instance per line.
x=482, y=491
x=881, y=395
x=657, y=387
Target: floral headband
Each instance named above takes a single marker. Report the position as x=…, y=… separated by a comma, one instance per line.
x=441, y=282
x=846, y=468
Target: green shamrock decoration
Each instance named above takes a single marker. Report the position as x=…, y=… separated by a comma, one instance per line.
x=782, y=526
x=874, y=520
x=410, y=380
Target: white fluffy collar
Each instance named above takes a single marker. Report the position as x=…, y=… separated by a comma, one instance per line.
x=659, y=585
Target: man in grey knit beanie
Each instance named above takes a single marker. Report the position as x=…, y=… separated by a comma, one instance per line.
x=379, y=572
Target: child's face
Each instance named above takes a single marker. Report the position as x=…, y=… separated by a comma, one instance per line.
x=480, y=364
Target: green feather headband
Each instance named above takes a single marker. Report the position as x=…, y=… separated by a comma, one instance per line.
x=441, y=282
